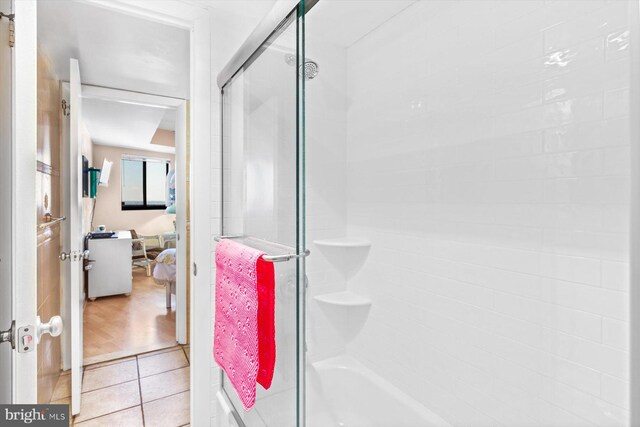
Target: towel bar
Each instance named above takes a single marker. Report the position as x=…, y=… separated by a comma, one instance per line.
x=269, y=258
x=51, y=221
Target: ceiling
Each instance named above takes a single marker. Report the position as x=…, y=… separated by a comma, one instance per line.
x=168, y=121
x=128, y=119
x=123, y=124
x=251, y=10
x=254, y=9
x=115, y=50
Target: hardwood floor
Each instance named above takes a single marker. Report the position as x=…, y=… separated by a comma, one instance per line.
x=120, y=325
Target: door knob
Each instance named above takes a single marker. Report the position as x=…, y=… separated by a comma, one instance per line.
x=53, y=327
x=9, y=335
x=64, y=256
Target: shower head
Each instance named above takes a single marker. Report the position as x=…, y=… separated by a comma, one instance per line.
x=309, y=68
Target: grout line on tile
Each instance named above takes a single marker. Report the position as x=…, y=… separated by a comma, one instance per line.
x=168, y=395
x=104, y=415
x=102, y=388
x=107, y=363
x=138, y=379
x=157, y=352
x=112, y=385
x=140, y=391
x=163, y=372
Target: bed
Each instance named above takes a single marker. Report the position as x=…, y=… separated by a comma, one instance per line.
x=164, y=272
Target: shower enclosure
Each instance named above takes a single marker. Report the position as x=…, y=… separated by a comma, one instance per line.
x=263, y=191
x=460, y=174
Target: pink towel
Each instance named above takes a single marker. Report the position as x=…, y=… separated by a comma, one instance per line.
x=244, y=331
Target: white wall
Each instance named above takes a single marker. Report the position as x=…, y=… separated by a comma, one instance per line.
x=488, y=163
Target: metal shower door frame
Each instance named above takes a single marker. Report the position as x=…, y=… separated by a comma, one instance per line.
x=283, y=13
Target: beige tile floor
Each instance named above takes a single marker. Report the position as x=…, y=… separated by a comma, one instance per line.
x=147, y=390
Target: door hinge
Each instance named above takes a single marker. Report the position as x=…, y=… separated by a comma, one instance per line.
x=12, y=33
x=195, y=269
x=12, y=28
x=23, y=339
x=66, y=108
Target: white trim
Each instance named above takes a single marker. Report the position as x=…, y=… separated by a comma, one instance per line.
x=151, y=148
x=180, y=167
x=144, y=158
x=201, y=298
x=24, y=237
x=634, y=261
x=73, y=240
x=129, y=97
x=65, y=183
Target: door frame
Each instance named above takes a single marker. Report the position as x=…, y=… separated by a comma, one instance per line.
x=120, y=95
x=183, y=15
x=634, y=263
x=73, y=300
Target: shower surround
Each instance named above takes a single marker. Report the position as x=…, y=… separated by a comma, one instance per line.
x=482, y=148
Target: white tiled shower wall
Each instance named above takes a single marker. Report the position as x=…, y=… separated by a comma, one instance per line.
x=326, y=175
x=488, y=163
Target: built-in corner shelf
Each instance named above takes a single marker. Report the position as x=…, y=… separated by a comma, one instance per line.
x=343, y=243
x=346, y=254
x=344, y=299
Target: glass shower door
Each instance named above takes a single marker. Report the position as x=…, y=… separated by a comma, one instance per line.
x=262, y=199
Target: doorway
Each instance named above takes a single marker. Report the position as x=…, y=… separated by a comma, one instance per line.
x=135, y=282
x=122, y=111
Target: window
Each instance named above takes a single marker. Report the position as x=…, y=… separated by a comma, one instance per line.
x=144, y=183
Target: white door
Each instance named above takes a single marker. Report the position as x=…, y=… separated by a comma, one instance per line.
x=181, y=223
x=6, y=314
x=74, y=242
